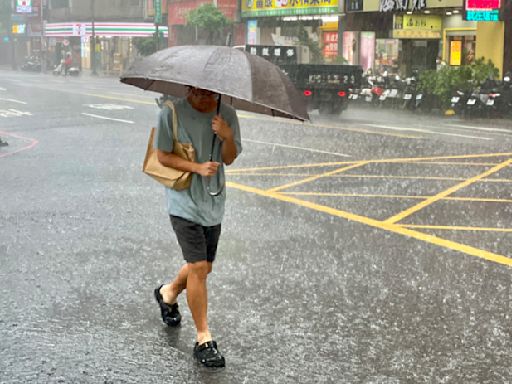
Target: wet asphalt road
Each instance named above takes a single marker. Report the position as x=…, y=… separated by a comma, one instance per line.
x=371, y=248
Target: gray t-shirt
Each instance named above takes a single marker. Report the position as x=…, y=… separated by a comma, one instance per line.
x=194, y=203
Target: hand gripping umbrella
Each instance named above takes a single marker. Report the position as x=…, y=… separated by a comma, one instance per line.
x=245, y=81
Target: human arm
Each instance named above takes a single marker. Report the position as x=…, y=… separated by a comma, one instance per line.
x=169, y=159
x=164, y=143
x=226, y=135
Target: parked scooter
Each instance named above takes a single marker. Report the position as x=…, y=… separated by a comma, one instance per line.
x=32, y=64
x=409, y=95
x=475, y=105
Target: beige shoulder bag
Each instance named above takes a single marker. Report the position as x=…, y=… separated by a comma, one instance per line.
x=170, y=177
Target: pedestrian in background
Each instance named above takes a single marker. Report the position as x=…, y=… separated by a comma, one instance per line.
x=196, y=215
x=68, y=62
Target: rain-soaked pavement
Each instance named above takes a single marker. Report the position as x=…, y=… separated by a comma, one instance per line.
x=371, y=248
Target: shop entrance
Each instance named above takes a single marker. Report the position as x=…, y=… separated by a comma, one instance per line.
x=418, y=55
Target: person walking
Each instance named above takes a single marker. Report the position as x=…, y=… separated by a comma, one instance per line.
x=68, y=62
x=194, y=213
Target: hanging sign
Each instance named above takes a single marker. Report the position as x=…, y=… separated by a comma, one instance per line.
x=456, y=53
x=158, y=11
x=24, y=6
x=482, y=10
x=402, y=5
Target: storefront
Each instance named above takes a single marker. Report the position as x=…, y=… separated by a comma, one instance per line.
x=459, y=40
x=114, y=48
x=410, y=35
x=283, y=22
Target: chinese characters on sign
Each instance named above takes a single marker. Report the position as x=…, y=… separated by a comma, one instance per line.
x=456, y=52
x=492, y=15
x=158, y=11
x=402, y=5
x=482, y=10
x=255, y=8
x=275, y=54
x=417, y=27
x=331, y=44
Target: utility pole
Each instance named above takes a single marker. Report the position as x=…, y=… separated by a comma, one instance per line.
x=12, y=36
x=43, y=37
x=93, y=39
x=157, y=5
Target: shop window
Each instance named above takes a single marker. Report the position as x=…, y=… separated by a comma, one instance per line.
x=54, y=4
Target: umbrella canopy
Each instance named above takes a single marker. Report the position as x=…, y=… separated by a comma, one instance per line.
x=245, y=81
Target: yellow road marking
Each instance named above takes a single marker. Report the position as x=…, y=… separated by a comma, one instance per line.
x=136, y=101
x=457, y=163
x=458, y=228
x=394, y=160
x=420, y=159
x=449, y=191
x=327, y=194
x=360, y=176
x=500, y=259
x=313, y=178
x=314, y=165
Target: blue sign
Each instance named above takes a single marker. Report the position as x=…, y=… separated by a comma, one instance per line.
x=484, y=15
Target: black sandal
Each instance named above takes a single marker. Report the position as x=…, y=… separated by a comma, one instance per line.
x=170, y=312
x=208, y=355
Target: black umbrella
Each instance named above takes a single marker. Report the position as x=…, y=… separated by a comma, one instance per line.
x=245, y=81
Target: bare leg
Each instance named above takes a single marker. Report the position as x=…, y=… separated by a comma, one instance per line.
x=197, y=298
x=171, y=291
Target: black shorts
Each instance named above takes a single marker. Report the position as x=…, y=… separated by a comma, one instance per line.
x=197, y=243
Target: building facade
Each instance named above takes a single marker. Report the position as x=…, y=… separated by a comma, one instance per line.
x=53, y=28
x=294, y=22
x=106, y=26
x=181, y=34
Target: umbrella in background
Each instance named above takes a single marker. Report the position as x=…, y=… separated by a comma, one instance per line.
x=245, y=81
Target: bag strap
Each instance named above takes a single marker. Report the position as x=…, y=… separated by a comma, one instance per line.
x=170, y=105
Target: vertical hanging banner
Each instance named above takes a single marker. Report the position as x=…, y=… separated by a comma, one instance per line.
x=456, y=53
x=158, y=11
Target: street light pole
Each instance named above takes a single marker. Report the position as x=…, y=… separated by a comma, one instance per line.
x=43, y=35
x=93, y=40
x=12, y=36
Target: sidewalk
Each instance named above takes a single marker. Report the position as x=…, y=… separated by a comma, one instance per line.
x=83, y=73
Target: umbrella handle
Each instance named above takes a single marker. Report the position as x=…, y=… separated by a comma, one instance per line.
x=219, y=191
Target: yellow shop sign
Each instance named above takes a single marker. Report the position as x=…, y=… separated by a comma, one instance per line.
x=417, y=27
x=258, y=8
x=422, y=22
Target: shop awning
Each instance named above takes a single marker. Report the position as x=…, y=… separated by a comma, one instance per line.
x=102, y=29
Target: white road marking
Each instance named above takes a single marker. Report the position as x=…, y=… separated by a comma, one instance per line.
x=427, y=131
x=481, y=128
x=293, y=147
x=14, y=101
x=113, y=107
x=13, y=113
x=108, y=118
x=3, y=89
